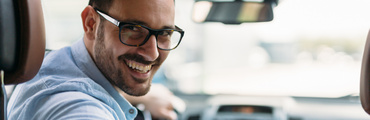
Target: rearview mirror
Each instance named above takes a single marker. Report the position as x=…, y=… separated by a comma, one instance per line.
x=233, y=12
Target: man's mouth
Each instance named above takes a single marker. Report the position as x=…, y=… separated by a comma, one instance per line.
x=141, y=68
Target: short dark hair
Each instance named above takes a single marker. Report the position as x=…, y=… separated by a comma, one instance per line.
x=101, y=4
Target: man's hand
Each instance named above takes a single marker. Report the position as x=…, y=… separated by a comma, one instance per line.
x=158, y=101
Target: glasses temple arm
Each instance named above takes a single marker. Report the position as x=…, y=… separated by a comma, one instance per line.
x=110, y=19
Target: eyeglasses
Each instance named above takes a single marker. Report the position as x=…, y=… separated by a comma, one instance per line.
x=132, y=34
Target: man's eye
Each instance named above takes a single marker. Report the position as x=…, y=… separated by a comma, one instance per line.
x=136, y=28
x=133, y=28
x=166, y=32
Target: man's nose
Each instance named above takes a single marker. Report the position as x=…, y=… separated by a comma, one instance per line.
x=149, y=50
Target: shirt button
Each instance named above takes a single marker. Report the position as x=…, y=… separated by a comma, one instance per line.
x=131, y=111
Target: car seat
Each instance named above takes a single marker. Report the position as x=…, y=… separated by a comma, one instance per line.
x=22, y=43
x=365, y=77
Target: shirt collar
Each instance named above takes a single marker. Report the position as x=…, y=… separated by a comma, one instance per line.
x=86, y=64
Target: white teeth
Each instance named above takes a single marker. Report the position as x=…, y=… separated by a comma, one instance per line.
x=139, y=68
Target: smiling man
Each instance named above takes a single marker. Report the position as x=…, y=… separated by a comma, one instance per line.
x=124, y=44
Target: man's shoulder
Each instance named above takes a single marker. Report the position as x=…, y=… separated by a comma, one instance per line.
x=60, y=64
x=65, y=105
x=74, y=104
x=54, y=84
x=68, y=98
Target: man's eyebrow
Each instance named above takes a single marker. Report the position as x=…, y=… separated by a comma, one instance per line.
x=145, y=24
x=168, y=27
x=136, y=22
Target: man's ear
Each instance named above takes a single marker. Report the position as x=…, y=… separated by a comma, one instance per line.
x=89, y=22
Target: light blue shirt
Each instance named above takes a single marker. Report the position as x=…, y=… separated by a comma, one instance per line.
x=69, y=86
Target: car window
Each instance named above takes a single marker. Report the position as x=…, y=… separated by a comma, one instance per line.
x=63, y=22
x=308, y=45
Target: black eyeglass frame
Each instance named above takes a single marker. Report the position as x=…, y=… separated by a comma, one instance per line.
x=154, y=32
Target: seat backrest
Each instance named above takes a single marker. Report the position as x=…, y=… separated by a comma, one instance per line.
x=22, y=42
x=365, y=77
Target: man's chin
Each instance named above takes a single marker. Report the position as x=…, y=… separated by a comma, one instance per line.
x=137, y=93
x=141, y=81
x=137, y=90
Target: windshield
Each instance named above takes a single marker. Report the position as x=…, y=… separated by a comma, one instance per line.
x=312, y=48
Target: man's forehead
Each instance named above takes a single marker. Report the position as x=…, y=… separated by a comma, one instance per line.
x=144, y=4
x=145, y=12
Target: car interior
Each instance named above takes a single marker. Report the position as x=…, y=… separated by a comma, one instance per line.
x=23, y=43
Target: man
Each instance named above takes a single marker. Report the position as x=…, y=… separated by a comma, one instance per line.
x=124, y=44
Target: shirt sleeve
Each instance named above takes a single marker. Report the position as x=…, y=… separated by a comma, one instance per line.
x=71, y=106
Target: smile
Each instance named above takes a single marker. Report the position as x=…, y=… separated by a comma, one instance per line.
x=138, y=67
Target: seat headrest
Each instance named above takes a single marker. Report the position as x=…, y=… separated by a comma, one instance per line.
x=22, y=38
x=365, y=77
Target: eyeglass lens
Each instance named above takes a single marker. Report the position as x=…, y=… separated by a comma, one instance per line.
x=136, y=34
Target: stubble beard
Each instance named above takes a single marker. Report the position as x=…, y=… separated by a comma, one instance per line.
x=104, y=60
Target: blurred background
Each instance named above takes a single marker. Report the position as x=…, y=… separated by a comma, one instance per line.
x=312, y=49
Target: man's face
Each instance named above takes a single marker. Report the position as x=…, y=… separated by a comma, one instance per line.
x=132, y=68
